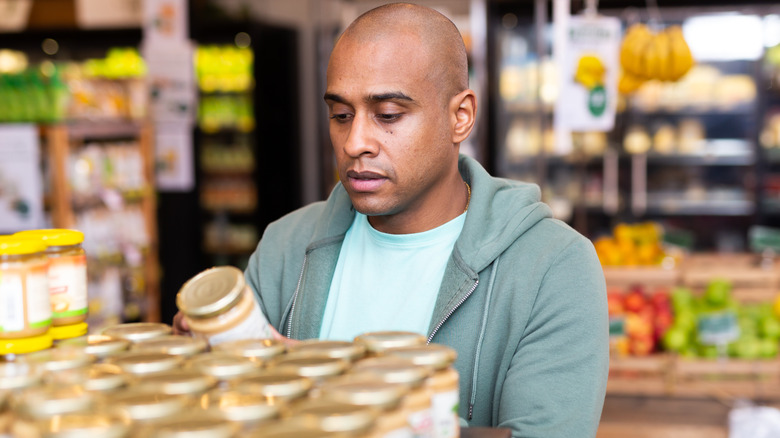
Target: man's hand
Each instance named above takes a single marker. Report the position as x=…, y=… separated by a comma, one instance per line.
x=180, y=326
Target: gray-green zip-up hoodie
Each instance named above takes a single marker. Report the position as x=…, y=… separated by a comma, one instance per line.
x=523, y=302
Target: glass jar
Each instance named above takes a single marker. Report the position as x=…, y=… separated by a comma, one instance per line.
x=138, y=331
x=144, y=407
x=59, y=359
x=275, y=386
x=99, y=378
x=443, y=383
x=313, y=367
x=259, y=350
x=333, y=416
x=142, y=364
x=46, y=402
x=247, y=409
x=25, y=309
x=84, y=425
x=222, y=366
x=219, y=306
x=188, y=425
x=376, y=342
x=67, y=274
x=99, y=346
x=346, y=350
x=171, y=344
x=177, y=382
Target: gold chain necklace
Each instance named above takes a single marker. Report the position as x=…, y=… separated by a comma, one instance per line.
x=468, y=201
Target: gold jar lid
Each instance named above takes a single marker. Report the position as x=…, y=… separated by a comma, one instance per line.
x=183, y=382
x=144, y=406
x=139, y=363
x=223, y=366
x=346, y=350
x=434, y=355
x=242, y=407
x=211, y=291
x=314, y=367
x=100, y=346
x=48, y=401
x=376, y=342
x=59, y=359
x=332, y=416
x=176, y=345
x=138, y=331
x=274, y=385
x=364, y=392
x=84, y=425
x=393, y=370
x=258, y=349
x=19, y=375
x=293, y=428
x=99, y=377
x=194, y=425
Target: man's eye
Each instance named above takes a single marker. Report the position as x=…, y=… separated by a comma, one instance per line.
x=388, y=117
x=340, y=117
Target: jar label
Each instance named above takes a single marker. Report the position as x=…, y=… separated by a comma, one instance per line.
x=421, y=423
x=15, y=286
x=68, y=286
x=445, y=414
x=255, y=326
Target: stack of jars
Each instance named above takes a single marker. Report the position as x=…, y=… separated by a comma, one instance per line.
x=139, y=380
x=43, y=289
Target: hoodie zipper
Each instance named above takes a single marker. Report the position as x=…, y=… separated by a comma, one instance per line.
x=295, y=296
x=454, y=308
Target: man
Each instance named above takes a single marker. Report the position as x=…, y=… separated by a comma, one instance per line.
x=417, y=237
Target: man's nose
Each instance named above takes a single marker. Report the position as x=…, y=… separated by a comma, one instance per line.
x=360, y=140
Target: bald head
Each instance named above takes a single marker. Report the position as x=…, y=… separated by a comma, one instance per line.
x=435, y=35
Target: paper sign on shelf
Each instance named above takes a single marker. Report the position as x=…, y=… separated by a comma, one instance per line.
x=589, y=73
x=21, y=189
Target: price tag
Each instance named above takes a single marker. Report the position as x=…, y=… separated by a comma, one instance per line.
x=718, y=328
x=617, y=326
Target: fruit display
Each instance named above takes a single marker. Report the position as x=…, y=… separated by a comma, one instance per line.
x=646, y=55
x=638, y=320
x=632, y=245
x=714, y=324
x=224, y=68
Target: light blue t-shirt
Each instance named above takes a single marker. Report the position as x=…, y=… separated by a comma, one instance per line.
x=387, y=281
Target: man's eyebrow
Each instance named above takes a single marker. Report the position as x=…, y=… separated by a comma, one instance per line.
x=393, y=95
x=334, y=97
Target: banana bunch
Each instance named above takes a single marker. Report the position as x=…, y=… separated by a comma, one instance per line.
x=646, y=55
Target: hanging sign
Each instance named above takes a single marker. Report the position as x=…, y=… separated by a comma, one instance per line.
x=589, y=74
x=21, y=189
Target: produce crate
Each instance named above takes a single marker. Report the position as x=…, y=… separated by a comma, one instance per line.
x=647, y=276
x=751, y=281
x=727, y=379
x=640, y=375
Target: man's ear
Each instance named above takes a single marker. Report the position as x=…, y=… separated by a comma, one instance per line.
x=463, y=110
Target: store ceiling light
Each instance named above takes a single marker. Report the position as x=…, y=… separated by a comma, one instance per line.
x=725, y=37
x=12, y=61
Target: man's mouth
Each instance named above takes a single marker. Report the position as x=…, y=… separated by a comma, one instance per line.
x=365, y=181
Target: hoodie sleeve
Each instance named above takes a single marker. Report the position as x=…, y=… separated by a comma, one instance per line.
x=556, y=382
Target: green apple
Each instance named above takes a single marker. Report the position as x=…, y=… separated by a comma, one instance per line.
x=718, y=292
x=769, y=327
x=675, y=339
x=768, y=348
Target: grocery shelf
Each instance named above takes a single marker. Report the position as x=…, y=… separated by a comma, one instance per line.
x=103, y=129
x=720, y=152
x=663, y=205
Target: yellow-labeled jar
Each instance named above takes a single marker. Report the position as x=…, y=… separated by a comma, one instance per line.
x=176, y=345
x=346, y=350
x=222, y=366
x=376, y=342
x=138, y=331
x=275, y=386
x=313, y=367
x=99, y=346
x=443, y=384
x=416, y=404
x=247, y=409
x=142, y=364
x=100, y=378
x=259, y=350
x=67, y=273
x=332, y=416
x=219, y=306
x=25, y=309
x=70, y=331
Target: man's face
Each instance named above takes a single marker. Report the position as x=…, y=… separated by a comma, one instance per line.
x=389, y=125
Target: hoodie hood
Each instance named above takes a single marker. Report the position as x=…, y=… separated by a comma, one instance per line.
x=486, y=232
